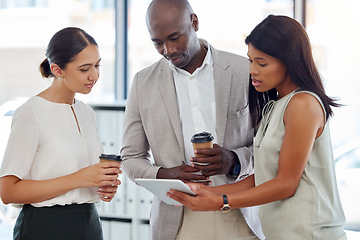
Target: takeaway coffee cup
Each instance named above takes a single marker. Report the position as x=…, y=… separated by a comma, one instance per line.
x=201, y=141
x=109, y=157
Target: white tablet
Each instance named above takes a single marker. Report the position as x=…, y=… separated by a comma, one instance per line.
x=160, y=187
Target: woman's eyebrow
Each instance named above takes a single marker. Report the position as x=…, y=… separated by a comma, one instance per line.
x=88, y=64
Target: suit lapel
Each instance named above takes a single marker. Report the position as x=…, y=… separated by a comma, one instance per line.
x=167, y=89
x=223, y=80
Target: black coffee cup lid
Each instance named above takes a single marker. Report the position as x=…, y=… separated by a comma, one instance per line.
x=113, y=157
x=202, y=137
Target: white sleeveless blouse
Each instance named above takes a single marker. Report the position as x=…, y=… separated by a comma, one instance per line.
x=315, y=211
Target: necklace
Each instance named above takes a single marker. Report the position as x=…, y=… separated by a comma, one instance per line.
x=204, y=49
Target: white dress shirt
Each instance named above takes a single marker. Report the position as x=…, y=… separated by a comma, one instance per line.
x=196, y=100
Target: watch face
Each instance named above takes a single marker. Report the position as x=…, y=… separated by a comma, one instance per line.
x=225, y=208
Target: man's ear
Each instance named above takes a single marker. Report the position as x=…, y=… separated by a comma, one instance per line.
x=195, y=22
x=56, y=70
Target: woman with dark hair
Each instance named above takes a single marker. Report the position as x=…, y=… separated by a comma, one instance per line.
x=294, y=180
x=51, y=164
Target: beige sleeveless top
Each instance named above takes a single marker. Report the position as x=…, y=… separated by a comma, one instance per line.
x=315, y=211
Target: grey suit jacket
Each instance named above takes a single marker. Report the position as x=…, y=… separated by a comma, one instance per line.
x=152, y=121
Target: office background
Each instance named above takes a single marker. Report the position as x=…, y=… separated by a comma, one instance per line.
x=119, y=27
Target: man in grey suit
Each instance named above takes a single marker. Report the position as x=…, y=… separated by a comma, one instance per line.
x=193, y=88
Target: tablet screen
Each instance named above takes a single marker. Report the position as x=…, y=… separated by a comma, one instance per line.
x=160, y=187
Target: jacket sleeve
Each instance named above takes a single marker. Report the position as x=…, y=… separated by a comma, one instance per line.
x=135, y=150
x=246, y=159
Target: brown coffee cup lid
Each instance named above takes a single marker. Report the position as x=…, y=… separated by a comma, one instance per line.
x=202, y=137
x=113, y=157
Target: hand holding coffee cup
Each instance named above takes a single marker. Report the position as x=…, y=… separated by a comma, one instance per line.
x=201, y=141
x=107, y=193
x=109, y=158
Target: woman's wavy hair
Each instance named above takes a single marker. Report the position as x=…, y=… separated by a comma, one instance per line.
x=286, y=40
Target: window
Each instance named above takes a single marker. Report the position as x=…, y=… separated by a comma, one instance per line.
x=225, y=26
x=335, y=47
x=27, y=27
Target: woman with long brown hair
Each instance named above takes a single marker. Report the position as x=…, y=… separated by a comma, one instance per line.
x=294, y=180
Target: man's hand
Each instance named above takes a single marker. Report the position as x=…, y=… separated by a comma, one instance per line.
x=219, y=161
x=183, y=172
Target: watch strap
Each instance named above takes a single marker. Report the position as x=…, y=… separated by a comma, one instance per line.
x=225, y=199
x=236, y=170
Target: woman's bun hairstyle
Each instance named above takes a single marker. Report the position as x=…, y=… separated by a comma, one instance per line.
x=45, y=69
